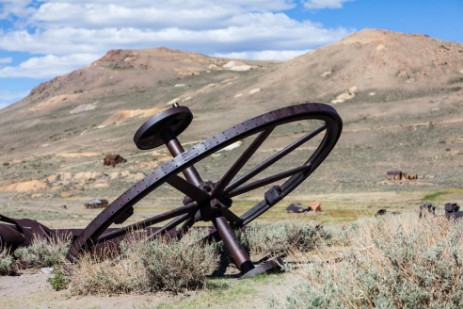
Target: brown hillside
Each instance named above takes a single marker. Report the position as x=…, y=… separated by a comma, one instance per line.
x=370, y=61
x=127, y=70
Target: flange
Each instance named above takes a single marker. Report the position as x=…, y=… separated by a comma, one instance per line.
x=154, y=132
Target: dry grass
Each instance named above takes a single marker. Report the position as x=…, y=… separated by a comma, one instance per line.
x=283, y=237
x=145, y=266
x=94, y=276
x=392, y=262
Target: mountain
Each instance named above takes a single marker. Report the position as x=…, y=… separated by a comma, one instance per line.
x=399, y=95
x=373, y=61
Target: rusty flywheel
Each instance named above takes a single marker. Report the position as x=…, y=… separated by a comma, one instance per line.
x=212, y=199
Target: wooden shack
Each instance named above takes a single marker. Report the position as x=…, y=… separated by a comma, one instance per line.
x=399, y=175
x=410, y=176
x=394, y=175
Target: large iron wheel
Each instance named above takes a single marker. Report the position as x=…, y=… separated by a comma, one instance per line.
x=212, y=199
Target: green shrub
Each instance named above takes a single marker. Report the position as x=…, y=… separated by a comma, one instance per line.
x=58, y=281
x=176, y=266
x=6, y=264
x=394, y=262
x=281, y=238
x=43, y=253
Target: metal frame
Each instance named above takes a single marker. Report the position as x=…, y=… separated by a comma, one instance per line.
x=212, y=200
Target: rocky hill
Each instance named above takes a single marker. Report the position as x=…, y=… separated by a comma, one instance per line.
x=371, y=63
x=399, y=95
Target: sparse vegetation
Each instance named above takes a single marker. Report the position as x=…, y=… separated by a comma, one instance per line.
x=58, y=281
x=393, y=262
x=281, y=238
x=434, y=195
x=6, y=264
x=43, y=253
x=94, y=276
x=176, y=265
x=147, y=266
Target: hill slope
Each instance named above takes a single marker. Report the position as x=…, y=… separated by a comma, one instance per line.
x=399, y=96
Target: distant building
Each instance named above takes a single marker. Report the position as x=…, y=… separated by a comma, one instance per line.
x=410, y=176
x=399, y=175
x=394, y=175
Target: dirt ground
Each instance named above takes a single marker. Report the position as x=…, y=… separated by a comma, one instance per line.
x=31, y=290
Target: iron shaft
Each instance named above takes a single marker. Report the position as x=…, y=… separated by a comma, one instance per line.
x=239, y=255
x=175, y=149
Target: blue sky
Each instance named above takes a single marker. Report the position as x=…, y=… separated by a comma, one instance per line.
x=41, y=39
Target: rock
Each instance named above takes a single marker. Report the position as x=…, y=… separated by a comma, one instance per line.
x=83, y=108
x=381, y=212
x=237, y=66
x=97, y=203
x=345, y=96
x=47, y=270
x=65, y=194
x=255, y=90
x=113, y=159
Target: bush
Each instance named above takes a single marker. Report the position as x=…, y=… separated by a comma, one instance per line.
x=281, y=238
x=44, y=253
x=93, y=276
x=394, y=262
x=59, y=281
x=6, y=264
x=176, y=266
x=146, y=266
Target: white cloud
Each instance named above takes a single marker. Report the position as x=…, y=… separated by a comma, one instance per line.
x=48, y=66
x=263, y=54
x=63, y=27
x=246, y=32
x=19, y=8
x=324, y=4
x=66, y=34
x=6, y=60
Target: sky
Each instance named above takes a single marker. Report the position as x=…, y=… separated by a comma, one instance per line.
x=41, y=39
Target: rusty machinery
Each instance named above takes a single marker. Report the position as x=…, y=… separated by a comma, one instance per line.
x=205, y=200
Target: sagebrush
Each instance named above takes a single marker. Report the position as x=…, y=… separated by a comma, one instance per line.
x=392, y=262
x=7, y=266
x=283, y=237
x=146, y=266
x=44, y=252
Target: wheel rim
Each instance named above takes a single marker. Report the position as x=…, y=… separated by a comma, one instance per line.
x=229, y=186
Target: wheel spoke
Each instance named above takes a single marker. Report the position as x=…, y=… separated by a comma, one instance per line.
x=267, y=180
x=232, y=217
x=269, y=161
x=191, y=207
x=173, y=223
x=255, y=212
x=185, y=227
x=187, y=188
x=245, y=156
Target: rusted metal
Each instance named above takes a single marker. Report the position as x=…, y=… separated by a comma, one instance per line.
x=452, y=210
x=211, y=200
